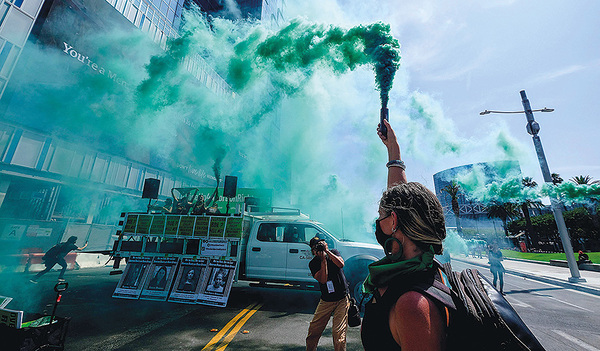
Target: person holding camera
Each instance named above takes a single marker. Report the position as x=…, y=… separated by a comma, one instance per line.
x=326, y=268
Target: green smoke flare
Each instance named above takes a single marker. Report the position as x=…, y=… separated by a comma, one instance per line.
x=304, y=46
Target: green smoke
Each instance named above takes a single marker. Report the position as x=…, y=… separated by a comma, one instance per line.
x=302, y=46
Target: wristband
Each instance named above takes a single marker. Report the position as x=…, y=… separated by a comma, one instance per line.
x=396, y=163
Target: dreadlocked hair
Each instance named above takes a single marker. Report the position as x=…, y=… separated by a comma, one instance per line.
x=420, y=214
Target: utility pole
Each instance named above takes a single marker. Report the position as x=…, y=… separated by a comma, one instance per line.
x=533, y=128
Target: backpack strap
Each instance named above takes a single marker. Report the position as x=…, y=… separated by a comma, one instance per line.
x=429, y=283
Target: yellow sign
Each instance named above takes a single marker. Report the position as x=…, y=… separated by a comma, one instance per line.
x=217, y=226
x=201, y=226
x=186, y=226
x=158, y=225
x=143, y=225
x=130, y=224
x=234, y=227
x=172, y=225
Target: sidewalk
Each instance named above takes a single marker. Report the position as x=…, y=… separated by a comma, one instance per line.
x=542, y=271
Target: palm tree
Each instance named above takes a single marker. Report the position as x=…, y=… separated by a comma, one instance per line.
x=584, y=180
x=528, y=182
x=504, y=211
x=453, y=189
x=556, y=179
x=592, y=204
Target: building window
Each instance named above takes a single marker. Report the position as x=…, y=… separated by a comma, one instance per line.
x=8, y=57
x=134, y=175
x=86, y=167
x=5, y=135
x=16, y=27
x=61, y=161
x=30, y=7
x=28, y=151
x=99, y=169
x=76, y=165
x=3, y=11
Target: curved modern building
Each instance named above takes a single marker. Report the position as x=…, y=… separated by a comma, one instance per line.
x=473, y=214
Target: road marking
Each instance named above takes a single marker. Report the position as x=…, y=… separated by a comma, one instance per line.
x=576, y=341
x=519, y=303
x=565, y=302
x=230, y=324
x=237, y=328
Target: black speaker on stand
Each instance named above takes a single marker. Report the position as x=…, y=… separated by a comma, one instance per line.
x=229, y=189
x=150, y=191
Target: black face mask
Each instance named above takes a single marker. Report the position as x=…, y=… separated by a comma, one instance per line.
x=386, y=242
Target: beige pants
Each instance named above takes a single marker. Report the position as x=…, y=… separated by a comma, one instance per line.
x=320, y=319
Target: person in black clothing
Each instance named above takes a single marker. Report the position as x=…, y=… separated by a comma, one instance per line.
x=408, y=310
x=582, y=257
x=496, y=267
x=57, y=255
x=326, y=268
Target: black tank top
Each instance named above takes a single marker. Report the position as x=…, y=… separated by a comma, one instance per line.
x=375, y=330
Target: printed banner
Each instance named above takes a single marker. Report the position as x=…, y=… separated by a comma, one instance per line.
x=162, y=273
x=214, y=247
x=189, y=280
x=216, y=288
x=133, y=278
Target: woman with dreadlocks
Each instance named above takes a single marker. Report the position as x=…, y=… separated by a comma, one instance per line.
x=410, y=306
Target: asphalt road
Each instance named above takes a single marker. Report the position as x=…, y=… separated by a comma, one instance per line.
x=259, y=318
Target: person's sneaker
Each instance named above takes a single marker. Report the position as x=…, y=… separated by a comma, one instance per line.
x=32, y=281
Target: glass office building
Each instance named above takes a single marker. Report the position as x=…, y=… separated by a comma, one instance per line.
x=57, y=180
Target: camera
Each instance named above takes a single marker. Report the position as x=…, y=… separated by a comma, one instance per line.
x=320, y=246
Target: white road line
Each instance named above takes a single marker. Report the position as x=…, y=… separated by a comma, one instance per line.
x=565, y=302
x=519, y=303
x=576, y=341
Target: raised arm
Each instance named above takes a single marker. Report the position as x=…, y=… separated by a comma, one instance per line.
x=396, y=173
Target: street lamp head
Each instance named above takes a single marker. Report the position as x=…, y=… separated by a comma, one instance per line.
x=484, y=112
x=545, y=109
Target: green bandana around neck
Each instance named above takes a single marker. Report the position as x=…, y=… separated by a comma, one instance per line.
x=386, y=269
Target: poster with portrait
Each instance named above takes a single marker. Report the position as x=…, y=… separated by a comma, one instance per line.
x=133, y=278
x=189, y=280
x=217, y=285
x=160, y=277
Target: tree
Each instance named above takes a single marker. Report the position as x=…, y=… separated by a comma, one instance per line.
x=556, y=179
x=584, y=180
x=525, y=204
x=503, y=210
x=453, y=189
x=591, y=205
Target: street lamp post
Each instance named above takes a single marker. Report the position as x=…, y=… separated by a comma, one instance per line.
x=533, y=128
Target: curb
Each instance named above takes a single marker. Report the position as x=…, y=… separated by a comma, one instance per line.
x=554, y=281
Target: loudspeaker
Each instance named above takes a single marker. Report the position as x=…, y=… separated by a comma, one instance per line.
x=151, y=186
x=230, y=187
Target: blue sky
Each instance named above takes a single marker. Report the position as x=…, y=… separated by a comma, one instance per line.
x=469, y=56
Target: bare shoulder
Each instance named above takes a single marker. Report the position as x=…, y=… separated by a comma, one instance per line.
x=416, y=323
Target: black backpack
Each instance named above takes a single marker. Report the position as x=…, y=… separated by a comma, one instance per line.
x=484, y=319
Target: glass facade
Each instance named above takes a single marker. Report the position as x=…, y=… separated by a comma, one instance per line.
x=16, y=20
x=161, y=19
x=55, y=157
x=466, y=205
